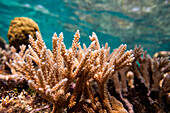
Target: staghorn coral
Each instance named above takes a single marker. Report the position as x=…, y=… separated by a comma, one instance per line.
x=50, y=73
x=147, y=86
x=19, y=30
x=9, y=56
x=164, y=94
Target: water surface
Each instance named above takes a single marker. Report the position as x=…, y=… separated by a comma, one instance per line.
x=129, y=22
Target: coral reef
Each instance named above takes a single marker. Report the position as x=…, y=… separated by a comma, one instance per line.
x=50, y=73
x=13, y=101
x=142, y=88
x=91, y=79
x=19, y=30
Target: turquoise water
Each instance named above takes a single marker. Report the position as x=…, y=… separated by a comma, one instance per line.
x=114, y=21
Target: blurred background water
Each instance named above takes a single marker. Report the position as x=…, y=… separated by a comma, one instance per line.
x=131, y=22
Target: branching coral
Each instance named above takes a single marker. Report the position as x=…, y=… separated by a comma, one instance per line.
x=10, y=56
x=50, y=73
x=141, y=87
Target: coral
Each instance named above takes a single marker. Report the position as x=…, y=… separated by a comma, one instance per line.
x=1, y=56
x=51, y=73
x=2, y=46
x=162, y=54
x=164, y=93
x=19, y=30
x=9, y=55
x=146, y=87
x=2, y=43
x=12, y=81
x=16, y=102
x=92, y=80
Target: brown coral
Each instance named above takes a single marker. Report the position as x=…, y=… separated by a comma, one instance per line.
x=2, y=43
x=143, y=88
x=19, y=30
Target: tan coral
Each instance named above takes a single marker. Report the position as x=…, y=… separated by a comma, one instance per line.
x=54, y=71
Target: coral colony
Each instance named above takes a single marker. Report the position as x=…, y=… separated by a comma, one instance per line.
x=91, y=79
x=19, y=29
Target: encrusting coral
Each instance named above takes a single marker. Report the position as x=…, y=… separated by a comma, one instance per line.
x=52, y=73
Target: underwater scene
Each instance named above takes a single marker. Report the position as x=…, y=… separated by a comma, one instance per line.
x=144, y=23
x=84, y=56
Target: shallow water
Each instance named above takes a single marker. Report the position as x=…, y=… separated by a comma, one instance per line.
x=114, y=21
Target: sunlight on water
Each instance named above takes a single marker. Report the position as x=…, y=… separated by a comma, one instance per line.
x=115, y=22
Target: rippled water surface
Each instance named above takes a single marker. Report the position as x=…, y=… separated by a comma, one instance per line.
x=145, y=23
